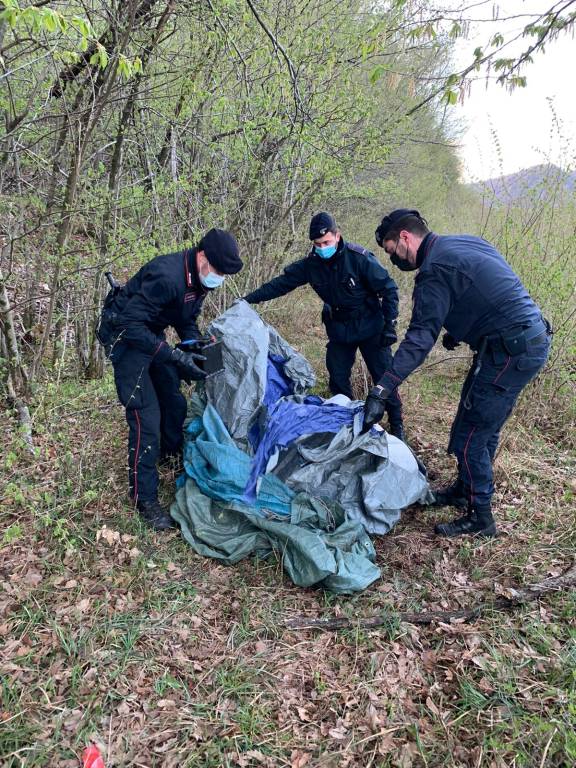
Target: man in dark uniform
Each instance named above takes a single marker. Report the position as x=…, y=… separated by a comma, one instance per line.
x=168, y=291
x=360, y=307
x=465, y=286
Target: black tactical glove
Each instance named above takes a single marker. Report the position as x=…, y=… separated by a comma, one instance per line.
x=449, y=342
x=374, y=407
x=186, y=365
x=389, y=335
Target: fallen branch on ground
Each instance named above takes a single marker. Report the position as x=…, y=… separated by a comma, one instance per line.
x=509, y=598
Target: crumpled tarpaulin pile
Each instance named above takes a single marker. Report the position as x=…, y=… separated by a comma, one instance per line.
x=272, y=469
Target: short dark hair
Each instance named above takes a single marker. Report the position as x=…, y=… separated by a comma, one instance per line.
x=402, y=218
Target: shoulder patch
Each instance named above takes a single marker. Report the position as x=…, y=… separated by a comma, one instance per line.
x=357, y=248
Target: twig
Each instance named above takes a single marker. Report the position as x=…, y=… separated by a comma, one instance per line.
x=514, y=597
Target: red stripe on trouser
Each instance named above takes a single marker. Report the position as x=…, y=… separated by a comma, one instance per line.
x=136, y=456
x=467, y=465
x=472, y=432
x=503, y=370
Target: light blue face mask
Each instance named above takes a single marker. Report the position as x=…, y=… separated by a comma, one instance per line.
x=211, y=280
x=327, y=252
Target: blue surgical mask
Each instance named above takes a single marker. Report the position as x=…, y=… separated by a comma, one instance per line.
x=327, y=252
x=211, y=280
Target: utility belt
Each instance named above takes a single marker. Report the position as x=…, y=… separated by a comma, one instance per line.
x=512, y=342
x=340, y=314
x=515, y=341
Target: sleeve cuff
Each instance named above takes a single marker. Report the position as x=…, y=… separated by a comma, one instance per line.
x=389, y=382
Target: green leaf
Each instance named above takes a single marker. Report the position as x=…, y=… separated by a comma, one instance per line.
x=103, y=56
x=456, y=30
x=450, y=97
x=124, y=67
x=377, y=73
x=82, y=25
x=62, y=22
x=49, y=20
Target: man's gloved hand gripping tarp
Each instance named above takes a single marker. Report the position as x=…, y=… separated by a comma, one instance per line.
x=270, y=469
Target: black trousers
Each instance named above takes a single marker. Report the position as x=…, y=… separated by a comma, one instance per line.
x=486, y=402
x=155, y=412
x=340, y=359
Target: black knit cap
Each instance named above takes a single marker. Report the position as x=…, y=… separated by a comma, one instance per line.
x=388, y=223
x=320, y=224
x=221, y=250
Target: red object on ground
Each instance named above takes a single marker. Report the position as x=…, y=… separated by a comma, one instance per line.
x=92, y=758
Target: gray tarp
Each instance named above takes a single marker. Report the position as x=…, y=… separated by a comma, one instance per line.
x=374, y=478
x=248, y=340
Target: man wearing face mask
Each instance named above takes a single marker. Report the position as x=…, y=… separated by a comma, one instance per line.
x=167, y=291
x=360, y=306
x=464, y=285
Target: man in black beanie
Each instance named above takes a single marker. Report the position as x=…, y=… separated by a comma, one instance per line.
x=167, y=291
x=360, y=306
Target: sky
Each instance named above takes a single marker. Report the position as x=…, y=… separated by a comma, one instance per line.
x=503, y=131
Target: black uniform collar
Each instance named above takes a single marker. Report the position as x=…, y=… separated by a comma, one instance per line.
x=191, y=276
x=424, y=248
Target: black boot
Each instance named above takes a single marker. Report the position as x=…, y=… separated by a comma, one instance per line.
x=450, y=496
x=398, y=431
x=478, y=522
x=154, y=515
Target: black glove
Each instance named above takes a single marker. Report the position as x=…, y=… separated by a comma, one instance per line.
x=389, y=335
x=374, y=407
x=449, y=342
x=186, y=365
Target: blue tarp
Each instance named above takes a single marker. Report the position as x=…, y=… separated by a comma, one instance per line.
x=277, y=383
x=221, y=470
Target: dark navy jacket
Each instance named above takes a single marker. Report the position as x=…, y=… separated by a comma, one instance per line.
x=467, y=287
x=166, y=291
x=359, y=295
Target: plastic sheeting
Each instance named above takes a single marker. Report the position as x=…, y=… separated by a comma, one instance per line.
x=289, y=419
x=240, y=390
x=374, y=476
x=313, y=537
x=268, y=470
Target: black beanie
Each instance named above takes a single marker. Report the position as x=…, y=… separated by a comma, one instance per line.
x=388, y=222
x=221, y=250
x=320, y=224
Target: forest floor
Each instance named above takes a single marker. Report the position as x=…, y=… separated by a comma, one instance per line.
x=112, y=633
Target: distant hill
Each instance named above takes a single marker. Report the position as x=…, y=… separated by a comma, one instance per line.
x=537, y=180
